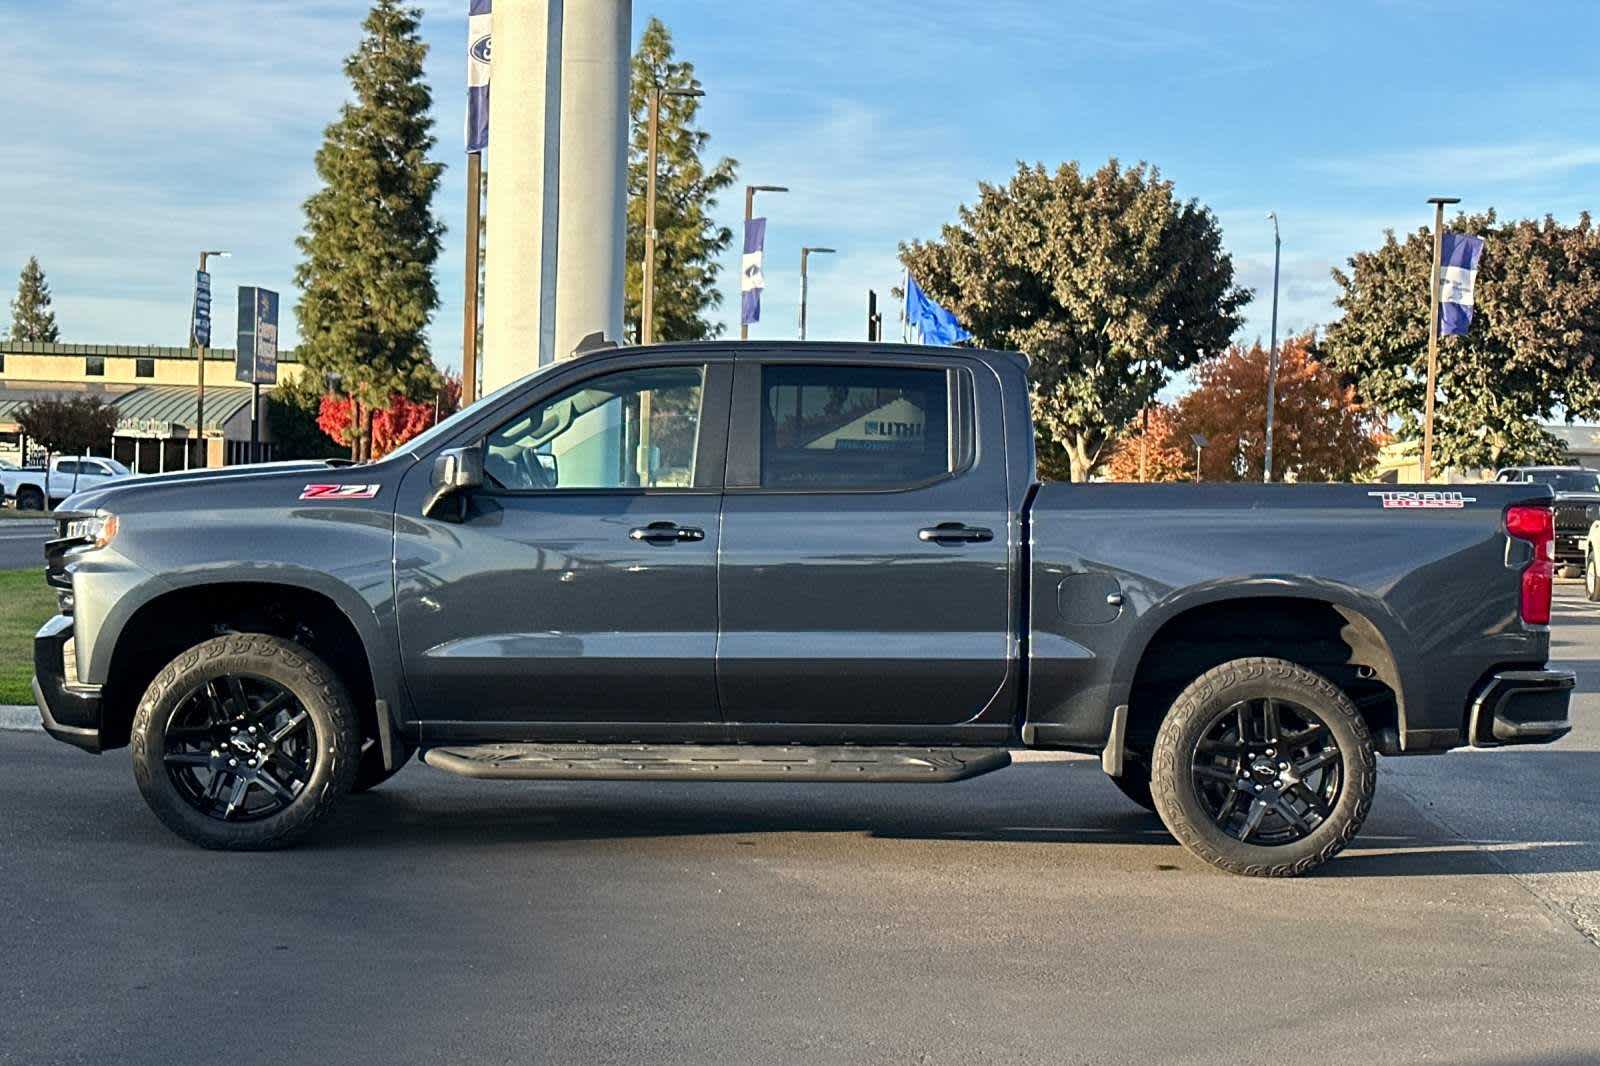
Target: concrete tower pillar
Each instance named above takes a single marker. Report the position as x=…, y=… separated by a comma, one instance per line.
x=558, y=154
x=591, y=272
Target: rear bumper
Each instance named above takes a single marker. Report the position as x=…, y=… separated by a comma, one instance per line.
x=1521, y=707
x=71, y=712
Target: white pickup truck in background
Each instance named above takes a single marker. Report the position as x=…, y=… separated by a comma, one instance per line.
x=34, y=488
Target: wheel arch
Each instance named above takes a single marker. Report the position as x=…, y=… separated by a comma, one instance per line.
x=1202, y=627
x=145, y=630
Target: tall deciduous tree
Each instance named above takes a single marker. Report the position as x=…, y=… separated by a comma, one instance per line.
x=688, y=242
x=1321, y=432
x=1529, y=355
x=366, y=281
x=31, y=316
x=1109, y=283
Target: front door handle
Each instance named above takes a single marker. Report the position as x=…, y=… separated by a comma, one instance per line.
x=955, y=533
x=666, y=533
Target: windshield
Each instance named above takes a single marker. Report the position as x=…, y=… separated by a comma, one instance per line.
x=1574, y=481
x=421, y=443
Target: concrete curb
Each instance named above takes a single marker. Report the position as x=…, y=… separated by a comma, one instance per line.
x=21, y=717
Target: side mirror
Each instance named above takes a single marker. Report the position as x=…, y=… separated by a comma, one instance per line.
x=455, y=471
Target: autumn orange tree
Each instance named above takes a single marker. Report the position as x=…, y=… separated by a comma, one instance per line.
x=1320, y=431
x=1164, y=457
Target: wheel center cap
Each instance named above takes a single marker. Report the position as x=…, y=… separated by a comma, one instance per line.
x=241, y=744
x=1264, y=768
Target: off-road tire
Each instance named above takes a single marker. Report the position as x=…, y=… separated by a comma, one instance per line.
x=313, y=684
x=1177, y=800
x=1591, y=579
x=370, y=771
x=1134, y=782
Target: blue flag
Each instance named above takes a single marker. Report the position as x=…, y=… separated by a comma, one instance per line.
x=1458, y=270
x=927, y=321
x=478, y=25
x=751, y=278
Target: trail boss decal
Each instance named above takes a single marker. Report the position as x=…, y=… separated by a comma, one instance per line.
x=340, y=492
x=1432, y=500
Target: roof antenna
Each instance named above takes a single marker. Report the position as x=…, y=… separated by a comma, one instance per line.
x=593, y=342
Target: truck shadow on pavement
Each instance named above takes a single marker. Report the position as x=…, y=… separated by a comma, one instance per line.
x=1038, y=804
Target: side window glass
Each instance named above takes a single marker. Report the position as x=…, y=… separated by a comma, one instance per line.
x=635, y=429
x=67, y=468
x=854, y=426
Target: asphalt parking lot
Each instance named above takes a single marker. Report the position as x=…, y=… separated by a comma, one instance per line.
x=1032, y=915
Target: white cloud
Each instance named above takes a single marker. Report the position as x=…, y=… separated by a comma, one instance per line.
x=1480, y=164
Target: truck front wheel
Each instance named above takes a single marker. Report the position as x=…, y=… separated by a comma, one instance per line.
x=244, y=742
x=1264, y=768
x=1591, y=578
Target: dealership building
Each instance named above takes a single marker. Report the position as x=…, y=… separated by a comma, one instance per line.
x=154, y=392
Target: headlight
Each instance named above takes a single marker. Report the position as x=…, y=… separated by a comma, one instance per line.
x=98, y=530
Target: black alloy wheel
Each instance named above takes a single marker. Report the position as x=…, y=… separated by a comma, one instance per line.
x=240, y=748
x=1267, y=771
x=1263, y=767
x=244, y=742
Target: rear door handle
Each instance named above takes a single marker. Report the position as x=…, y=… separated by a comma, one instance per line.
x=955, y=533
x=666, y=533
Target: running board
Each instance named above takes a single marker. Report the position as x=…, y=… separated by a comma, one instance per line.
x=721, y=762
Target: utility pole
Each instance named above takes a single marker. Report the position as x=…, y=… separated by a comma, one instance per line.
x=1272, y=359
x=874, y=319
x=647, y=296
x=805, y=255
x=469, y=334
x=1438, y=203
x=200, y=363
x=749, y=213
x=1200, y=442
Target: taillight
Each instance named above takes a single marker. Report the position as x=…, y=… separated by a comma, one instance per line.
x=1537, y=526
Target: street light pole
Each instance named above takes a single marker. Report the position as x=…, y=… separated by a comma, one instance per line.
x=805, y=254
x=647, y=295
x=200, y=371
x=749, y=213
x=1438, y=203
x=1272, y=359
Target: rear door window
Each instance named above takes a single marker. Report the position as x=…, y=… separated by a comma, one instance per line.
x=855, y=427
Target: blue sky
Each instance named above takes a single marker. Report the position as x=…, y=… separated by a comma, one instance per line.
x=138, y=131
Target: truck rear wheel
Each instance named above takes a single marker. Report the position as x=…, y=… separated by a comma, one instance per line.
x=29, y=499
x=1591, y=579
x=1264, y=768
x=244, y=742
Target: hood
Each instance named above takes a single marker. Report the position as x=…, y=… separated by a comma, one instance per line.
x=209, y=479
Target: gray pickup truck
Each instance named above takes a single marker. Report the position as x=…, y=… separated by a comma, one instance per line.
x=787, y=562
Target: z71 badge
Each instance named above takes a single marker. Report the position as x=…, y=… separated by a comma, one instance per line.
x=340, y=492
x=1424, y=499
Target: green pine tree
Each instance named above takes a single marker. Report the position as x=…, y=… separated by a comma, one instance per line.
x=31, y=317
x=366, y=282
x=688, y=242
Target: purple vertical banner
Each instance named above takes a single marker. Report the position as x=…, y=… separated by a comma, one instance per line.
x=478, y=26
x=1458, y=272
x=751, y=279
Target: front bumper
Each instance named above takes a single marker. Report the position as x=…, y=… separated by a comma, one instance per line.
x=71, y=712
x=1571, y=547
x=1521, y=707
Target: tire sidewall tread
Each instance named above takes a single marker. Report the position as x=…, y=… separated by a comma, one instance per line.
x=1195, y=709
